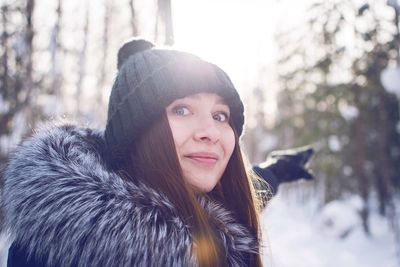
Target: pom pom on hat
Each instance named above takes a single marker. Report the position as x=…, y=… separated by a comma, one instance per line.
x=130, y=48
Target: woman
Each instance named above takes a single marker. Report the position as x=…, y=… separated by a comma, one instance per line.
x=165, y=185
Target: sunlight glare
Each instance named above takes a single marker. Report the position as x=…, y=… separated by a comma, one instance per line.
x=236, y=35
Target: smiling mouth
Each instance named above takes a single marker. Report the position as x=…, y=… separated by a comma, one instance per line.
x=203, y=158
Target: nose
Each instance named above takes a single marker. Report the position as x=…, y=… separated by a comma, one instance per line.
x=207, y=131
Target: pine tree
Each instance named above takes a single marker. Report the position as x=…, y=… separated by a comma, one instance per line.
x=332, y=96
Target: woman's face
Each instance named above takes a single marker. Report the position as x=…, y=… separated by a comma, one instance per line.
x=203, y=138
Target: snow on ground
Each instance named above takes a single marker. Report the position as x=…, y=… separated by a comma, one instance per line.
x=303, y=235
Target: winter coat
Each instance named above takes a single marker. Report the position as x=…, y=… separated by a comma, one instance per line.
x=65, y=207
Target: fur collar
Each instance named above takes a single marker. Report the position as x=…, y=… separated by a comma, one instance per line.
x=64, y=205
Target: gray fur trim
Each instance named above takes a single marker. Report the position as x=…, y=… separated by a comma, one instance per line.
x=64, y=205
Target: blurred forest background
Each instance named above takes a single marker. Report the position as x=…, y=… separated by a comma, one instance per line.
x=58, y=59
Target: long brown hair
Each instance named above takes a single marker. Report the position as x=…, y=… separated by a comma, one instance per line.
x=153, y=161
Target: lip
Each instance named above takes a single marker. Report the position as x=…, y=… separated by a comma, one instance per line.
x=205, y=158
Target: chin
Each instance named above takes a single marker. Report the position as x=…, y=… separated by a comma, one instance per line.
x=204, y=188
x=201, y=181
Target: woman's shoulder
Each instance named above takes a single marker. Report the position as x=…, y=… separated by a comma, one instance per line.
x=51, y=155
x=64, y=204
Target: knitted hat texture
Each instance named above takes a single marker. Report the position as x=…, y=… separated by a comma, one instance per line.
x=150, y=79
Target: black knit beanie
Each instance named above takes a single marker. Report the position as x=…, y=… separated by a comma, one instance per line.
x=148, y=80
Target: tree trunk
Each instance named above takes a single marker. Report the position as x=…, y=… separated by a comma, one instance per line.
x=383, y=159
x=55, y=72
x=32, y=113
x=359, y=160
x=82, y=64
x=164, y=13
x=4, y=87
x=133, y=18
x=101, y=81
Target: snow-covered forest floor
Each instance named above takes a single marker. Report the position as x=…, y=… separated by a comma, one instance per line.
x=299, y=234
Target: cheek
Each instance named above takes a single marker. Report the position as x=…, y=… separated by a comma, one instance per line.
x=178, y=133
x=229, y=143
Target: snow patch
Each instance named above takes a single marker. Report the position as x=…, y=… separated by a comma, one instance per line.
x=4, y=106
x=390, y=78
x=334, y=143
x=347, y=111
x=295, y=235
x=340, y=218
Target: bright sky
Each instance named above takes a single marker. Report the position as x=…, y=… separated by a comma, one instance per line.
x=237, y=35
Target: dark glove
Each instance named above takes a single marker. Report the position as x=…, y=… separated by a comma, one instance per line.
x=285, y=166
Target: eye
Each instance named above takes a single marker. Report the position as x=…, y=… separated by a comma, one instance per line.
x=221, y=117
x=181, y=110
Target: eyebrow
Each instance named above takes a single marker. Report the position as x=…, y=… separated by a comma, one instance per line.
x=220, y=100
